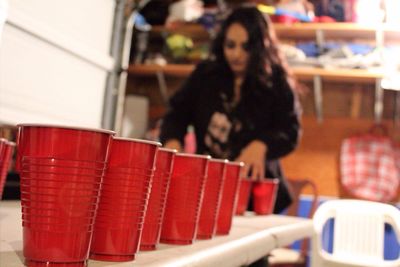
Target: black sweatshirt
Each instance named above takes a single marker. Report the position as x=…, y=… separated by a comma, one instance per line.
x=266, y=112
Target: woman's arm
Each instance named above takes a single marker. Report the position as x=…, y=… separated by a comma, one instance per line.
x=181, y=111
x=174, y=144
x=276, y=138
x=253, y=157
x=282, y=134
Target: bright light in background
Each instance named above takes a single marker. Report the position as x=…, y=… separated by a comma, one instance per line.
x=377, y=13
x=374, y=12
x=369, y=12
x=392, y=12
x=391, y=82
x=391, y=69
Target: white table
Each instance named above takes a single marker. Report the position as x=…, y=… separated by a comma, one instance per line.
x=251, y=238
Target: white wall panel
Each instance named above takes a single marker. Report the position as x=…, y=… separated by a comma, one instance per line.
x=53, y=65
x=87, y=21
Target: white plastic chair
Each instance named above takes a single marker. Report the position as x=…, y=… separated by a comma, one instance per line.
x=358, y=238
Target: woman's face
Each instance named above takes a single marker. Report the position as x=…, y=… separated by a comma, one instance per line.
x=236, y=48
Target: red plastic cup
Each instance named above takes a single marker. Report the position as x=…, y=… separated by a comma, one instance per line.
x=244, y=196
x=158, y=195
x=2, y=148
x=109, y=215
x=17, y=162
x=103, y=222
x=127, y=217
x=130, y=199
x=122, y=240
x=60, y=228
x=230, y=194
x=41, y=171
x=68, y=208
x=264, y=196
x=63, y=163
x=119, y=225
x=6, y=151
x=184, y=198
x=2, y=151
x=2, y=165
x=211, y=199
x=49, y=243
x=63, y=143
x=62, y=220
x=26, y=210
x=68, y=190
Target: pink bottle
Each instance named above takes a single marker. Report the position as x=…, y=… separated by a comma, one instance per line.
x=190, y=141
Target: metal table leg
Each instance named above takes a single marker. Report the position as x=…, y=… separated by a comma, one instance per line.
x=318, y=98
x=378, y=106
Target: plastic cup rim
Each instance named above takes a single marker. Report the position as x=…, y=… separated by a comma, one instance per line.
x=181, y=154
x=136, y=140
x=170, y=150
x=219, y=160
x=236, y=163
x=7, y=142
x=70, y=127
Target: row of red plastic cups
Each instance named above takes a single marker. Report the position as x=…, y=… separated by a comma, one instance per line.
x=264, y=196
x=194, y=204
x=200, y=185
x=173, y=234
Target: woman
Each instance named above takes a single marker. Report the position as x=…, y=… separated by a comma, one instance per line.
x=241, y=101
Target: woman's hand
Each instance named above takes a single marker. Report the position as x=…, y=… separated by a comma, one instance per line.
x=174, y=144
x=253, y=156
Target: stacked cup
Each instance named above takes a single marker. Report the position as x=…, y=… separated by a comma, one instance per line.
x=229, y=197
x=264, y=196
x=6, y=151
x=244, y=195
x=158, y=195
x=61, y=170
x=211, y=199
x=184, y=198
x=124, y=197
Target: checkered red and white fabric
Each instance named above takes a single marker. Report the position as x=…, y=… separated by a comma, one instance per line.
x=368, y=167
x=397, y=155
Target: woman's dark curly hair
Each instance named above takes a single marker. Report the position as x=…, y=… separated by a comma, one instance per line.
x=264, y=59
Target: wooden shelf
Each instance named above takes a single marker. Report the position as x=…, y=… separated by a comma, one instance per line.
x=335, y=27
x=303, y=73
x=173, y=70
x=342, y=30
x=359, y=75
x=338, y=30
x=193, y=30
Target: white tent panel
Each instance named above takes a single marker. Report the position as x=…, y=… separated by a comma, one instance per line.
x=52, y=70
